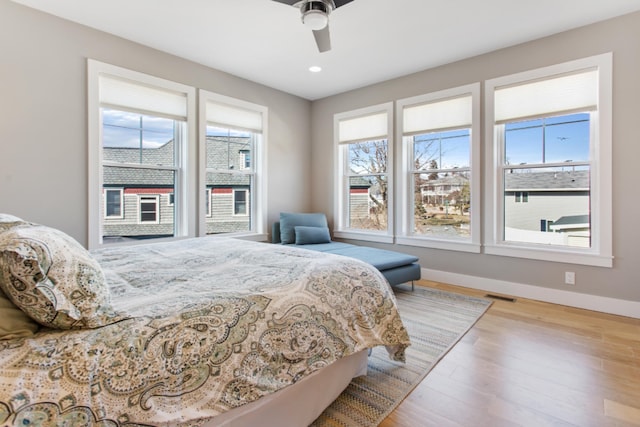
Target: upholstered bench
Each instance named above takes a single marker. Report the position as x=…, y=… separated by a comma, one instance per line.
x=310, y=231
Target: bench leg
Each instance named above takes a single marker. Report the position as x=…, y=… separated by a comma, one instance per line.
x=412, y=286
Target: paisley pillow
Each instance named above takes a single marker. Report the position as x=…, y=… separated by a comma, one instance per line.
x=8, y=221
x=53, y=279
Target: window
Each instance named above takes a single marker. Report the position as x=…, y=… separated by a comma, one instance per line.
x=551, y=171
x=245, y=159
x=149, y=209
x=139, y=127
x=113, y=203
x=364, y=162
x=233, y=166
x=240, y=199
x=440, y=178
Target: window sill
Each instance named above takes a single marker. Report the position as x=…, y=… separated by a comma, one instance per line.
x=551, y=254
x=358, y=235
x=450, y=245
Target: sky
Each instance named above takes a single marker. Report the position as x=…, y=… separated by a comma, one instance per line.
x=566, y=138
x=122, y=129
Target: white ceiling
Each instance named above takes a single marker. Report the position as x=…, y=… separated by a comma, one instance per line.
x=372, y=40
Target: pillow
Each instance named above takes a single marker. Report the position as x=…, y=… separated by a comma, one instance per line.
x=311, y=235
x=289, y=221
x=53, y=279
x=14, y=323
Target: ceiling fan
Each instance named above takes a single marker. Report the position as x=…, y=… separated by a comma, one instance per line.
x=315, y=15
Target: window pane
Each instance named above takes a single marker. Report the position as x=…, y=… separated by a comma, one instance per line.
x=549, y=140
x=442, y=150
x=113, y=203
x=228, y=149
x=146, y=211
x=230, y=202
x=567, y=138
x=368, y=157
x=442, y=202
x=240, y=202
x=523, y=143
x=548, y=206
x=137, y=138
x=368, y=202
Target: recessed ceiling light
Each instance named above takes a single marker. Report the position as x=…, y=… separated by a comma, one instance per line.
x=315, y=69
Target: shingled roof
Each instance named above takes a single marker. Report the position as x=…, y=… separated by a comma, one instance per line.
x=547, y=181
x=163, y=155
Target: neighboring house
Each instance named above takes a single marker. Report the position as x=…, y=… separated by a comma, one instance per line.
x=359, y=200
x=434, y=192
x=548, y=202
x=139, y=203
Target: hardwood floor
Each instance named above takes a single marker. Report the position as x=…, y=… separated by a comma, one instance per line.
x=529, y=363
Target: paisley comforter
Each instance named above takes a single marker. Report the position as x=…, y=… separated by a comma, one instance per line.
x=208, y=324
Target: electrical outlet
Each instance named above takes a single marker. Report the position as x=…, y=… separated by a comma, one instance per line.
x=569, y=278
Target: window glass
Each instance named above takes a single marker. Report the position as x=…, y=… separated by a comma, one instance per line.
x=442, y=184
x=368, y=190
x=230, y=179
x=548, y=181
x=137, y=138
x=368, y=204
x=131, y=139
x=147, y=194
x=240, y=202
x=113, y=203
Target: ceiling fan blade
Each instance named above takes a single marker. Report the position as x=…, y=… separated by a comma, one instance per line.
x=289, y=2
x=338, y=3
x=323, y=39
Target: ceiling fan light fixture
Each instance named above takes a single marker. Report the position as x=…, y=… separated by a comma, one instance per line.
x=315, y=14
x=315, y=20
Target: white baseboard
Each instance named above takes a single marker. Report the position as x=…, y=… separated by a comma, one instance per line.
x=555, y=296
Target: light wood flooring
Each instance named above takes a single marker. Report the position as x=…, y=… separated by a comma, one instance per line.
x=529, y=363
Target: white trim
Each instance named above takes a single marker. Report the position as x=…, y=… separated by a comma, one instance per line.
x=601, y=251
x=449, y=245
x=104, y=195
x=555, y=296
x=405, y=200
x=341, y=196
x=146, y=198
x=258, y=194
x=185, y=162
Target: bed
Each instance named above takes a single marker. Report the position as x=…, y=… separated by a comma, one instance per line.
x=197, y=332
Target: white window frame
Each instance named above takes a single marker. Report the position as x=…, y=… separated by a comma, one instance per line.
x=341, y=198
x=258, y=195
x=121, y=192
x=185, y=170
x=405, y=206
x=147, y=198
x=600, y=254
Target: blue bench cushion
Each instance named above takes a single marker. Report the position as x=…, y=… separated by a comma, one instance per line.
x=328, y=247
x=379, y=258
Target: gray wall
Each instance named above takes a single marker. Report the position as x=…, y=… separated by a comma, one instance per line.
x=43, y=132
x=621, y=36
x=43, y=117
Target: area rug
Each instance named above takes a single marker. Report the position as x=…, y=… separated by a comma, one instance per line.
x=435, y=320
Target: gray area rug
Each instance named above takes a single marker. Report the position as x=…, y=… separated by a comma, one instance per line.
x=435, y=320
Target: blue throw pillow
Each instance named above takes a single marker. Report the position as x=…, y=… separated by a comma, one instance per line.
x=312, y=235
x=289, y=221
